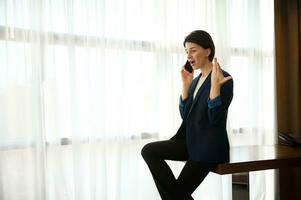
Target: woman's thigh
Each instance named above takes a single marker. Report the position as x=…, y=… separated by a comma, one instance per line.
x=166, y=149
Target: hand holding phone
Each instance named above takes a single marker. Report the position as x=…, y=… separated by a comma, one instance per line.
x=188, y=67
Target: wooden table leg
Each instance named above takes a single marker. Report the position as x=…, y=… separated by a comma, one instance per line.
x=240, y=186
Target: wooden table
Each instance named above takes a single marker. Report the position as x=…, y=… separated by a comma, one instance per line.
x=254, y=158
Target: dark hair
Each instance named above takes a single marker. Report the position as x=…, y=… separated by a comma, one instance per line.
x=203, y=39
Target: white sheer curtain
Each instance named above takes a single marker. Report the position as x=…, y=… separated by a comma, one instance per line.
x=85, y=84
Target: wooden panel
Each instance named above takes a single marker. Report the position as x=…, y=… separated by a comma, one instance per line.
x=253, y=158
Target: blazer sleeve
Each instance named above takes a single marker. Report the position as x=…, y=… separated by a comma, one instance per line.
x=218, y=113
x=182, y=105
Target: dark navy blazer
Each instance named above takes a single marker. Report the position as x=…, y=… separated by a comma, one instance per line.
x=203, y=126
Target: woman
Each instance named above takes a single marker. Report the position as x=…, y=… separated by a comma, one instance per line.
x=202, y=139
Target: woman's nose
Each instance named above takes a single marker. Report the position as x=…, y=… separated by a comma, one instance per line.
x=188, y=56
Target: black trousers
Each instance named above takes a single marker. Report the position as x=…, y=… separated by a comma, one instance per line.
x=191, y=176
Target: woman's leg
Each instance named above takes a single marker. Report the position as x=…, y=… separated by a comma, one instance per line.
x=155, y=154
x=191, y=176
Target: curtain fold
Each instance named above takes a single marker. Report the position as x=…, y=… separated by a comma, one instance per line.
x=85, y=84
x=288, y=76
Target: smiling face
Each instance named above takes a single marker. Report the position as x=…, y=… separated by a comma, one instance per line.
x=197, y=55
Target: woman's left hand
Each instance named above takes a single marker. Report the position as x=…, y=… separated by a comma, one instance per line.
x=217, y=76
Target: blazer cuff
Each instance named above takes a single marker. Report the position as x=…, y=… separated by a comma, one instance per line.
x=212, y=103
x=182, y=102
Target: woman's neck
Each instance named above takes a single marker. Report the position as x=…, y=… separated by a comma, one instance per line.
x=206, y=69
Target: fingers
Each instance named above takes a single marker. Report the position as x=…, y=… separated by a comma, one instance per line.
x=185, y=73
x=214, y=60
x=226, y=79
x=217, y=71
x=216, y=66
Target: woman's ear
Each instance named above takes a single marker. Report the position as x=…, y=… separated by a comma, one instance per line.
x=208, y=52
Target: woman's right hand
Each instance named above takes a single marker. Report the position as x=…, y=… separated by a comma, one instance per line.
x=186, y=81
x=186, y=77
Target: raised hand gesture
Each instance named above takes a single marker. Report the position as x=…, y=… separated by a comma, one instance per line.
x=217, y=79
x=217, y=76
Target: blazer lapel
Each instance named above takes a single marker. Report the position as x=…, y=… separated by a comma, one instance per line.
x=200, y=91
x=194, y=84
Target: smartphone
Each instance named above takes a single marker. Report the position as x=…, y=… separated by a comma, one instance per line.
x=188, y=67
